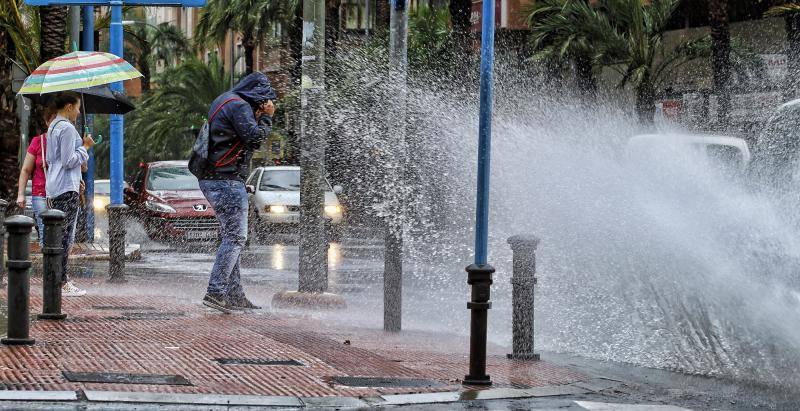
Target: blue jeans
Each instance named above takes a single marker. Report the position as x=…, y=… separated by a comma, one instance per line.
x=39, y=205
x=228, y=198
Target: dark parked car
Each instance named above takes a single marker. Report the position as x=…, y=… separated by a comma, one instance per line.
x=166, y=198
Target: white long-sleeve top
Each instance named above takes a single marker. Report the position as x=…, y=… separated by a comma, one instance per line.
x=65, y=154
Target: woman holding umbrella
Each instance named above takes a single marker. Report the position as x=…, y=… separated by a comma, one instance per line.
x=66, y=151
x=33, y=170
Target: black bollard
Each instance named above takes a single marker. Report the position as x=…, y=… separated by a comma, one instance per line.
x=523, y=281
x=116, y=242
x=53, y=253
x=3, y=207
x=19, y=232
x=480, y=278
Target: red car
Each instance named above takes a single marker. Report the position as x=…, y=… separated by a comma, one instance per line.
x=166, y=198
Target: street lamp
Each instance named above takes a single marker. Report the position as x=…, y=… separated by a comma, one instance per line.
x=479, y=274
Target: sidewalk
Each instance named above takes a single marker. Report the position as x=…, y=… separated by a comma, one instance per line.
x=174, y=346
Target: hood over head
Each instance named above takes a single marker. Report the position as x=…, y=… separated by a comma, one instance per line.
x=255, y=88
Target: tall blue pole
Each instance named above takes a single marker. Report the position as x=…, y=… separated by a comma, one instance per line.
x=479, y=275
x=117, y=165
x=485, y=134
x=87, y=44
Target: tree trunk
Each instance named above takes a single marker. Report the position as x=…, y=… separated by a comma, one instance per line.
x=584, y=75
x=460, y=11
x=9, y=123
x=792, y=87
x=720, y=58
x=382, y=13
x=53, y=31
x=645, y=101
x=295, y=42
x=144, y=68
x=249, y=43
x=332, y=26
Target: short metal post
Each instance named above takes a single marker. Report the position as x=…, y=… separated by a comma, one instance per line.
x=480, y=278
x=116, y=242
x=53, y=253
x=19, y=231
x=523, y=281
x=3, y=207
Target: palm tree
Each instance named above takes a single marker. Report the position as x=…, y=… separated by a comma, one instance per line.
x=148, y=44
x=624, y=35
x=164, y=124
x=53, y=31
x=791, y=14
x=18, y=47
x=555, y=43
x=251, y=18
x=720, y=56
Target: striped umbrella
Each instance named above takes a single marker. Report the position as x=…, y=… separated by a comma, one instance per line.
x=77, y=70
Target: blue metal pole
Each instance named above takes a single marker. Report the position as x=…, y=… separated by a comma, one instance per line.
x=117, y=165
x=88, y=45
x=485, y=133
x=479, y=275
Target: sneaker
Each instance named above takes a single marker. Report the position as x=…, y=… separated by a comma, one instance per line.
x=70, y=290
x=217, y=302
x=243, y=303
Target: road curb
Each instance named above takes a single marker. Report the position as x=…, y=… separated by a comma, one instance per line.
x=299, y=402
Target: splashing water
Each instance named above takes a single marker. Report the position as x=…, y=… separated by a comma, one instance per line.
x=660, y=259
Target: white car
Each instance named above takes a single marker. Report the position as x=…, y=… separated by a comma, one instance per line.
x=731, y=151
x=277, y=196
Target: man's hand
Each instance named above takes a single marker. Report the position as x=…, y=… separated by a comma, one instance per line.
x=267, y=108
x=250, y=189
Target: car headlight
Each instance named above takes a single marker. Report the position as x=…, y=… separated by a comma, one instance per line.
x=333, y=209
x=277, y=209
x=159, y=207
x=100, y=203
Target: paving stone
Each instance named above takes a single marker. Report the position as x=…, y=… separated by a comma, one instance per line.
x=552, y=391
x=14, y=395
x=606, y=406
x=334, y=402
x=193, y=399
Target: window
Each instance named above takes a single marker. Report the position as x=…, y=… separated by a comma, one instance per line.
x=172, y=178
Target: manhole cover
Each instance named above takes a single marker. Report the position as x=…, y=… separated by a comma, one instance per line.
x=256, y=361
x=384, y=382
x=153, y=315
x=124, y=378
x=124, y=307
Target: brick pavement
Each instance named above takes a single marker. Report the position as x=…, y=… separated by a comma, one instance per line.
x=115, y=330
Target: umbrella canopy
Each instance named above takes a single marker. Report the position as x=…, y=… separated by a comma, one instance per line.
x=78, y=70
x=96, y=100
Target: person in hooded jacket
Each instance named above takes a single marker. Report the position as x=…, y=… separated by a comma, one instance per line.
x=239, y=120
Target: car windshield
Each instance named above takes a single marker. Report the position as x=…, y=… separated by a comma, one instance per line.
x=172, y=178
x=284, y=180
x=102, y=187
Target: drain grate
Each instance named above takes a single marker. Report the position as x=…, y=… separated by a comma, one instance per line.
x=384, y=382
x=153, y=315
x=124, y=378
x=124, y=307
x=256, y=361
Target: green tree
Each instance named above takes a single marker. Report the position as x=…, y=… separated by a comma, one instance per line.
x=555, y=42
x=164, y=125
x=625, y=35
x=53, y=31
x=146, y=45
x=720, y=55
x=251, y=18
x=18, y=47
x=790, y=11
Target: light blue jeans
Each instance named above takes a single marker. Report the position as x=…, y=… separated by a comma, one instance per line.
x=39, y=205
x=228, y=198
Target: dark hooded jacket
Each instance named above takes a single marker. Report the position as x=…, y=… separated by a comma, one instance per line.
x=234, y=132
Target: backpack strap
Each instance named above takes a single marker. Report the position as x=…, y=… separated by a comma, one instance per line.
x=226, y=158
